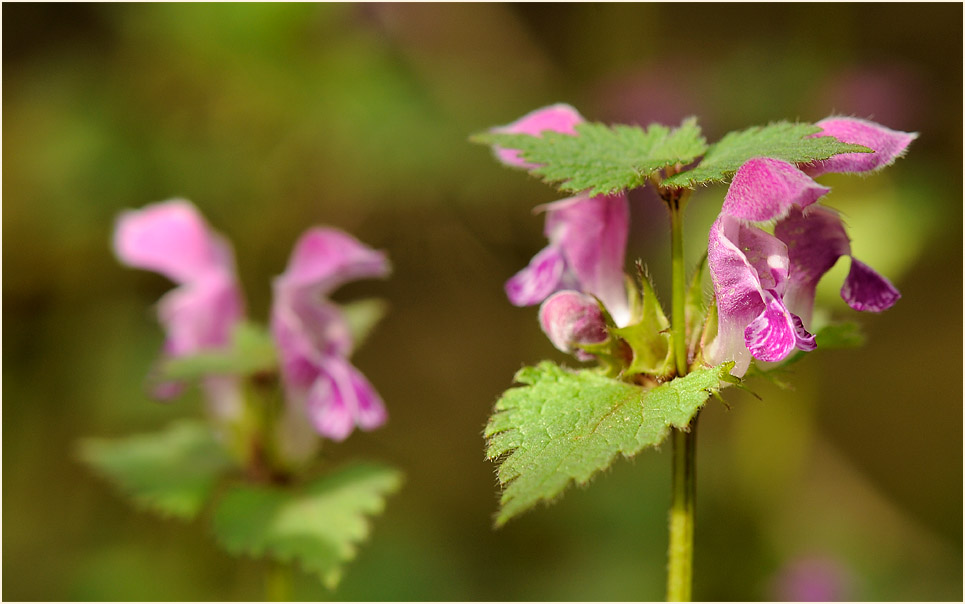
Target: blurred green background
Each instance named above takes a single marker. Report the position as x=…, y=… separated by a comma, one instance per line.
x=273, y=118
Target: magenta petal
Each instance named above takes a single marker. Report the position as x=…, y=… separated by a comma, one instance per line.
x=592, y=234
x=866, y=290
x=815, y=240
x=328, y=408
x=887, y=144
x=342, y=398
x=538, y=280
x=555, y=118
x=764, y=189
x=171, y=238
x=326, y=258
x=570, y=318
x=200, y=315
x=772, y=335
x=804, y=340
x=370, y=410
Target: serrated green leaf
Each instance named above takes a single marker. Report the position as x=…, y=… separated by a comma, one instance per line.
x=171, y=472
x=362, y=316
x=604, y=159
x=563, y=426
x=319, y=526
x=782, y=140
x=252, y=350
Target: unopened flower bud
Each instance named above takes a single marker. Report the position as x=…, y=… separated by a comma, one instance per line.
x=569, y=319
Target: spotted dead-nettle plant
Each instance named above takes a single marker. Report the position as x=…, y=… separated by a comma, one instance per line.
x=273, y=396
x=651, y=375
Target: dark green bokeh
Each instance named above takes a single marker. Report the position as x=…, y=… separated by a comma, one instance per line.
x=273, y=118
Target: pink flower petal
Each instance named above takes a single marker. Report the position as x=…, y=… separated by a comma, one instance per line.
x=326, y=258
x=328, y=408
x=592, y=234
x=764, y=189
x=538, y=280
x=773, y=334
x=173, y=239
x=866, y=290
x=887, y=144
x=555, y=118
x=815, y=240
x=342, y=398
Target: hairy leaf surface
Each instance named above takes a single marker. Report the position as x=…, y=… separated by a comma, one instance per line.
x=604, y=159
x=782, y=140
x=563, y=426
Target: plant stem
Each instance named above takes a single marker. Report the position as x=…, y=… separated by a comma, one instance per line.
x=278, y=584
x=680, y=553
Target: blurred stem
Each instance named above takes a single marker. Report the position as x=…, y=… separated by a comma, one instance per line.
x=278, y=582
x=680, y=553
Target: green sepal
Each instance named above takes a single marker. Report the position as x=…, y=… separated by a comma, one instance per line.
x=786, y=141
x=562, y=427
x=648, y=334
x=252, y=351
x=319, y=525
x=603, y=159
x=171, y=472
x=695, y=311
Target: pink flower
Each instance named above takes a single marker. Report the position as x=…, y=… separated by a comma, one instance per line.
x=586, y=252
x=172, y=238
x=888, y=145
x=815, y=240
x=765, y=284
x=313, y=338
x=750, y=273
x=764, y=189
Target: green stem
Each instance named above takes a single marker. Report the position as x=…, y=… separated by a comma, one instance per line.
x=680, y=554
x=278, y=582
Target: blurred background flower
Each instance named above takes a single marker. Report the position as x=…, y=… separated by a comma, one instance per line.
x=273, y=118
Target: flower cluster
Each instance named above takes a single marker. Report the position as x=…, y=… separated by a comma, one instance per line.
x=764, y=282
x=586, y=251
x=310, y=332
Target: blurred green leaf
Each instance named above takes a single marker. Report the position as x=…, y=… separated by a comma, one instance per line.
x=565, y=426
x=604, y=159
x=318, y=526
x=252, y=351
x=781, y=140
x=171, y=472
x=362, y=317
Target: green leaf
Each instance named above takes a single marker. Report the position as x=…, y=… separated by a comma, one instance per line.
x=252, y=350
x=318, y=526
x=604, y=159
x=782, y=140
x=171, y=472
x=563, y=426
x=362, y=317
